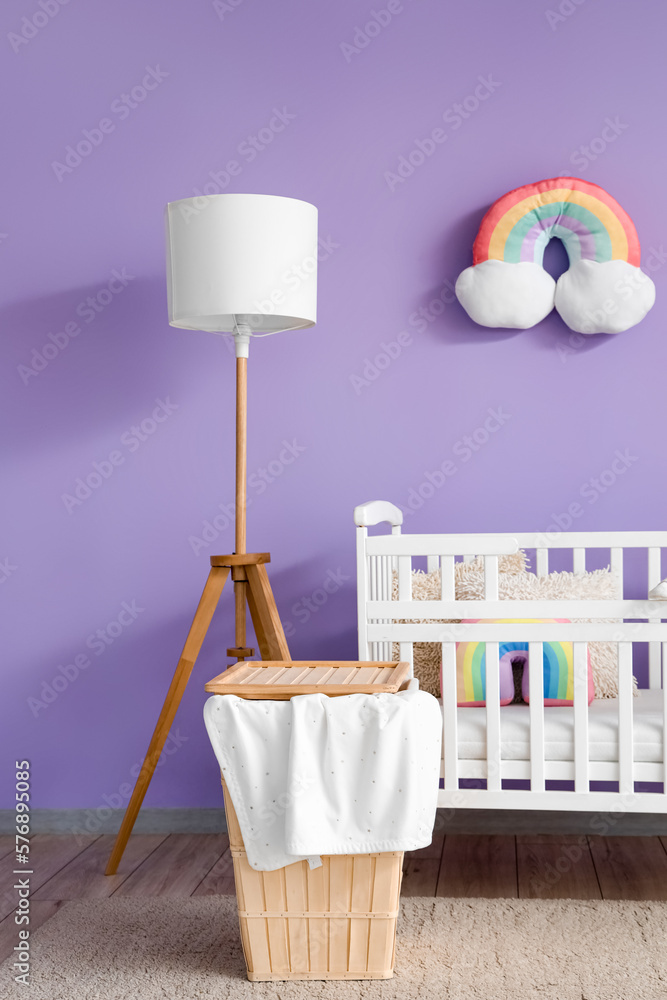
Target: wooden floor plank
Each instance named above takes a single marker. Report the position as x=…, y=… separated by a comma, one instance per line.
x=630, y=867
x=84, y=878
x=176, y=867
x=551, y=838
x=49, y=852
x=220, y=879
x=420, y=876
x=478, y=867
x=433, y=851
x=39, y=914
x=554, y=870
x=532, y=866
x=7, y=843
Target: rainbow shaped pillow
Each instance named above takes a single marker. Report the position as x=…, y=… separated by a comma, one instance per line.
x=604, y=289
x=558, y=666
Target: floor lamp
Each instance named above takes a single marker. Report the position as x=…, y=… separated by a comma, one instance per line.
x=243, y=264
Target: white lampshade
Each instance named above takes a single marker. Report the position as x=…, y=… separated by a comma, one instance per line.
x=241, y=259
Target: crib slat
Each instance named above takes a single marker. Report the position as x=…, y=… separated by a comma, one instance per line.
x=363, y=566
x=625, y=702
x=491, y=578
x=404, y=578
x=536, y=678
x=654, y=577
x=447, y=591
x=406, y=655
x=664, y=718
x=431, y=563
x=580, y=668
x=405, y=594
x=493, y=775
x=542, y=562
x=578, y=560
x=376, y=646
x=616, y=566
x=386, y=595
x=449, y=711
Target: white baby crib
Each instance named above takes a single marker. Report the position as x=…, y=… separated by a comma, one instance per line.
x=619, y=742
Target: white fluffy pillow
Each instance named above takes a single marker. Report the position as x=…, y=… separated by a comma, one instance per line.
x=603, y=297
x=503, y=295
x=515, y=582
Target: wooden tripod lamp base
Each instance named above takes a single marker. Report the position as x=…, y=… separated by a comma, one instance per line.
x=251, y=583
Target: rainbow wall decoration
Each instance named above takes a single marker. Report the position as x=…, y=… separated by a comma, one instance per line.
x=604, y=290
x=591, y=224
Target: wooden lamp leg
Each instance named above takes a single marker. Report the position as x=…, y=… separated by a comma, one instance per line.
x=202, y=619
x=264, y=614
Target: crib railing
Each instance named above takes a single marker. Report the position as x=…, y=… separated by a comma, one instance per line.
x=625, y=771
x=580, y=634
x=384, y=621
x=381, y=557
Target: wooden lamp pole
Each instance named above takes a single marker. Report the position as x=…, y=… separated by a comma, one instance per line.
x=241, y=337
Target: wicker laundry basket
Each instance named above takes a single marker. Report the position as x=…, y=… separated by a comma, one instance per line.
x=333, y=922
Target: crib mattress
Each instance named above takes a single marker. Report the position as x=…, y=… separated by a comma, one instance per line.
x=559, y=730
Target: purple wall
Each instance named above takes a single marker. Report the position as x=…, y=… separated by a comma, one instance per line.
x=332, y=122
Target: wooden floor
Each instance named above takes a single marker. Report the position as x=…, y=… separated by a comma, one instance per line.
x=523, y=867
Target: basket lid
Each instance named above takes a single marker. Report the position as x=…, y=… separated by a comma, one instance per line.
x=279, y=680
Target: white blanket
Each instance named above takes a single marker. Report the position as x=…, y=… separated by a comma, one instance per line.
x=317, y=775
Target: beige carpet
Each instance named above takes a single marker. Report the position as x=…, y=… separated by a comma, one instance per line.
x=454, y=948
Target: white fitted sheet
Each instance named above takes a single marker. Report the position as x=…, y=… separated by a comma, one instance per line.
x=559, y=730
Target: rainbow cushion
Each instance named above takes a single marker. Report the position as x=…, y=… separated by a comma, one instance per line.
x=558, y=661
x=604, y=290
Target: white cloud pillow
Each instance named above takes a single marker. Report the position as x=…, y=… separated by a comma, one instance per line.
x=591, y=296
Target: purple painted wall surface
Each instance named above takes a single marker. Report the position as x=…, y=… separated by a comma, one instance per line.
x=325, y=102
